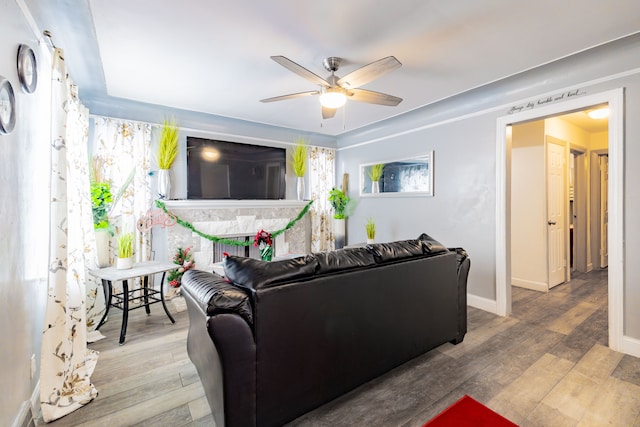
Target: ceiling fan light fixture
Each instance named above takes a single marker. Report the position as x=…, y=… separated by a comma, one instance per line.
x=599, y=113
x=332, y=97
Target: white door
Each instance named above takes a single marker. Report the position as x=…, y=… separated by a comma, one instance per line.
x=556, y=203
x=604, y=211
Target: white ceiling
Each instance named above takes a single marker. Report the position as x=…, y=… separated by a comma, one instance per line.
x=213, y=56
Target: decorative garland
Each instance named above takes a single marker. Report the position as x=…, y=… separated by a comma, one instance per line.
x=231, y=242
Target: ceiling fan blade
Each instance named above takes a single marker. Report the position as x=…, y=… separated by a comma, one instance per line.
x=369, y=72
x=372, y=97
x=300, y=70
x=328, y=113
x=290, y=96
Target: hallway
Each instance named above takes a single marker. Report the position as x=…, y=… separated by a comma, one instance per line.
x=577, y=309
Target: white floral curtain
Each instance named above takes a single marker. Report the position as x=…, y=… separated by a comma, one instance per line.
x=123, y=146
x=321, y=181
x=66, y=362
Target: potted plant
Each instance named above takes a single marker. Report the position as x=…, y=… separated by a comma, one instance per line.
x=167, y=152
x=370, y=226
x=102, y=204
x=125, y=251
x=101, y=199
x=375, y=173
x=299, y=165
x=340, y=202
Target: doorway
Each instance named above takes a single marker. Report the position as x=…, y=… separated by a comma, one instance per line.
x=614, y=99
x=579, y=212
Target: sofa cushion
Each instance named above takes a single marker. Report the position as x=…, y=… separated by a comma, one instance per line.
x=343, y=259
x=257, y=274
x=215, y=295
x=430, y=245
x=392, y=251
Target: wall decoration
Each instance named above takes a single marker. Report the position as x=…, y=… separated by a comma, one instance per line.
x=27, y=68
x=7, y=107
x=403, y=177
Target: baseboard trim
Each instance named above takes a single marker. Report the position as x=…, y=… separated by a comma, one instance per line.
x=24, y=417
x=630, y=346
x=529, y=284
x=35, y=401
x=29, y=410
x=482, y=303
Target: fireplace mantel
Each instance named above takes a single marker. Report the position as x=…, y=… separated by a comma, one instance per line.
x=230, y=218
x=230, y=204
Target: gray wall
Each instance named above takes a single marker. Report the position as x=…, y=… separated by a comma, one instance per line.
x=24, y=219
x=462, y=132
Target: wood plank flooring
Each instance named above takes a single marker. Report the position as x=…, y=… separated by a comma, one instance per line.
x=546, y=365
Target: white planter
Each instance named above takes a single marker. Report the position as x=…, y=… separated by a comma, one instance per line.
x=300, y=187
x=124, y=263
x=370, y=241
x=102, y=247
x=164, y=184
x=340, y=232
x=375, y=187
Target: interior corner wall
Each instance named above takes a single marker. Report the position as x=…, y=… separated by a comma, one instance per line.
x=24, y=209
x=528, y=206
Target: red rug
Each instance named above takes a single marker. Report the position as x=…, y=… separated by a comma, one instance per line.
x=469, y=412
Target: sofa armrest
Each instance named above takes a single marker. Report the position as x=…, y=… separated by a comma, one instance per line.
x=464, y=264
x=216, y=295
x=226, y=363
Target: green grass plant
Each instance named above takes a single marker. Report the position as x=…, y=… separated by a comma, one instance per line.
x=125, y=245
x=370, y=226
x=168, y=145
x=375, y=172
x=299, y=158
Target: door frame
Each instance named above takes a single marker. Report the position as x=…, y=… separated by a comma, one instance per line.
x=615, y=99
x=581, y=203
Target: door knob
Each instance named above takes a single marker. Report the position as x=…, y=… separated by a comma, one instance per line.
x=551, y=222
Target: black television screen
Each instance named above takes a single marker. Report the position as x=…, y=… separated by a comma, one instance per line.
x=231, y=170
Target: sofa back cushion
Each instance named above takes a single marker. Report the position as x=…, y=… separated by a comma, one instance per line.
x=393, y=251
x=343, y=259
x=257, y=274
x=430, y=245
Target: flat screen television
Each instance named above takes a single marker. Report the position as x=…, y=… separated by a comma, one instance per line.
x=231, y=170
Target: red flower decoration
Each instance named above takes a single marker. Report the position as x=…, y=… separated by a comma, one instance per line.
x=262, y=237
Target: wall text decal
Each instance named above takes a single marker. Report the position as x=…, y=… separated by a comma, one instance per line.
x=546, y=100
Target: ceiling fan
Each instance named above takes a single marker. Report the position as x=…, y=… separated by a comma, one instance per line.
x=334, y=90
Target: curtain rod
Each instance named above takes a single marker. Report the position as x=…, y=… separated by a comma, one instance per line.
x=49, y=37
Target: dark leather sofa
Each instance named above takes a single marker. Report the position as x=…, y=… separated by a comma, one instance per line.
x=276, y=340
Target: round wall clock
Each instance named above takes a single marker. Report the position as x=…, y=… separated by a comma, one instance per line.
x=27, y=68
x=7, y=106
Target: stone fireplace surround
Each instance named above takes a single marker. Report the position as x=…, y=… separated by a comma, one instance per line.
x=232, y=218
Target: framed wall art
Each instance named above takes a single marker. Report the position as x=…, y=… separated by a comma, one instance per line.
x=27, y=68
x=7, y=106
x=402, y=177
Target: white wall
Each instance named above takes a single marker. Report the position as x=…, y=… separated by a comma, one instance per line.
x=24, y=213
